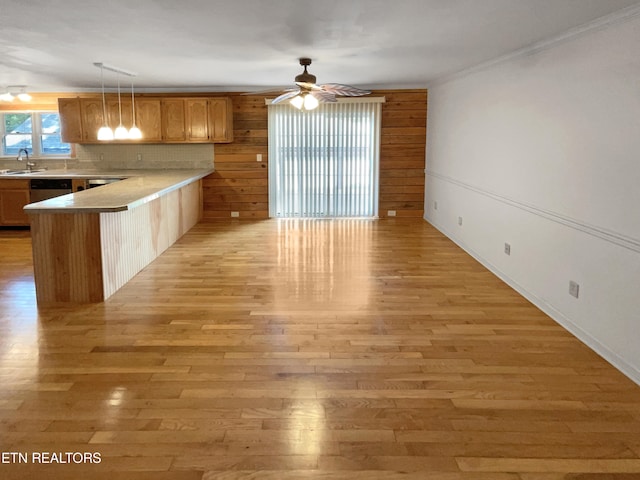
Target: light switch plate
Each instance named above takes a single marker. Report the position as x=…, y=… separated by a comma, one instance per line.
x=574, y=289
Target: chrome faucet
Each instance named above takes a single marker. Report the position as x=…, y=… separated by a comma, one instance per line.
x=30, y=165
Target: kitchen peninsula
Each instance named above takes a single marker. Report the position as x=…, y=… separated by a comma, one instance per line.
x=86, y=245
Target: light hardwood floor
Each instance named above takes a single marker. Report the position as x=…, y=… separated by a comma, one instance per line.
x=288, y=350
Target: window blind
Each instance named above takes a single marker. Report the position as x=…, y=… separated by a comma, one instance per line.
x=324, y=162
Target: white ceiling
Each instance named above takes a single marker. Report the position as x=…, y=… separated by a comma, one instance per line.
x=50, y=45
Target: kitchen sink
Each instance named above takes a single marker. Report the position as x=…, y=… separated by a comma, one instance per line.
x=22, y=172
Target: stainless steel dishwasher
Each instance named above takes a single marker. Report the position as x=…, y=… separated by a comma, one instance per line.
x=44, y=188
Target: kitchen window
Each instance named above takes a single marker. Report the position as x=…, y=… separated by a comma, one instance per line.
x=325, y=162
x=38, y=132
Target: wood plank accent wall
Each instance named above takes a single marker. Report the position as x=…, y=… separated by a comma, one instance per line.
x=240, y=183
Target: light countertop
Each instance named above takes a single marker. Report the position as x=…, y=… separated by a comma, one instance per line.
x=73, y=173
x=137, y=188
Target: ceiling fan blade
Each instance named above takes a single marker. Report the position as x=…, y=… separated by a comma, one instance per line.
x=307, y=86
x=344, y=90
x=323, y=96
x=285, y=96
x=269, y=90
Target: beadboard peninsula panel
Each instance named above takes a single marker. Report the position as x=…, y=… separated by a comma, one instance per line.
x=134, y=238
x=241, y=183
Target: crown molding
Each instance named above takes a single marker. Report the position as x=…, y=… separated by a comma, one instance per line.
x=600, y=23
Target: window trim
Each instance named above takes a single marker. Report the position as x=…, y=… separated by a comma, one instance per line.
x=36, y=136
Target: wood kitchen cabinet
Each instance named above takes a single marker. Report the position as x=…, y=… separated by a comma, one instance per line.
x=197, y=119
x=149, y=119
x=92, y=118
x=173, y=120
x=70, y=120
x=14, y=195
x=220, y=120
x=160, y=119
x=205, y=120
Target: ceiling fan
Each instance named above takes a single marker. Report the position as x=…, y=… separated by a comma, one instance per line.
x=308, y=95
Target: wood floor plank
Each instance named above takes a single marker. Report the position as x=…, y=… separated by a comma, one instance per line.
x=307, y=349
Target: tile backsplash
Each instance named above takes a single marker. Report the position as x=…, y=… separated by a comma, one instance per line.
x=122, y=157
x=155, y=156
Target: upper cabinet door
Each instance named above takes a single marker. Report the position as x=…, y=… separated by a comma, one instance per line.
x=92, y=118
x=148, y=119
x=197, y=118
x=115, y=109
x=173, y=125
x=220, y=120
x=70, y=120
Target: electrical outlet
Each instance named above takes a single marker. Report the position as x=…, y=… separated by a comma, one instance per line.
x=507, y=248
x=258, y=157
x=574, y=289
x=102, y=157
x=391, y=213
x=235, y=214
x=435, y=205
x=139, y=157
x=460, y=221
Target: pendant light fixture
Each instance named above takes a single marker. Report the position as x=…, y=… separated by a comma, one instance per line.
x=121, y=133
x=134, y=131
x=104, y=133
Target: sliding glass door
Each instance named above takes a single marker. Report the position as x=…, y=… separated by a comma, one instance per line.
x=324, y=162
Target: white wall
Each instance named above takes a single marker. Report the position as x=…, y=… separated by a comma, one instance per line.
x=542, y=150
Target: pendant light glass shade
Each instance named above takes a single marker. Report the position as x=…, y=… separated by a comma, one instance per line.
x=297, y=101
x=121, y=132
x=134, y=131
x=304, y=101
x=105, y=133
x=310, y=102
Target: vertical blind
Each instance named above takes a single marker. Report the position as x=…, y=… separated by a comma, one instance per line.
x=324, y=162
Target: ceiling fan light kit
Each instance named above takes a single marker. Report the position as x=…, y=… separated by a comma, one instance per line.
x=15, y=91
x=308, y=95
